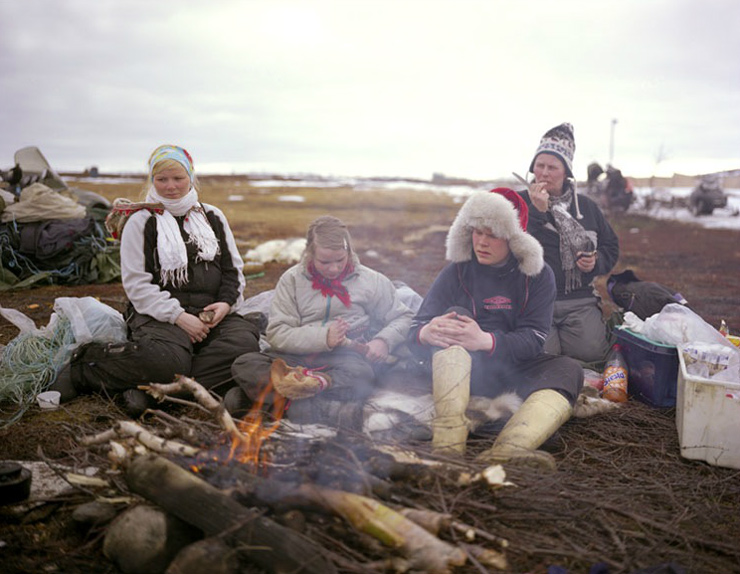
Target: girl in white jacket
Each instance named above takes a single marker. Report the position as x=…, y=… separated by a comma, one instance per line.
x=334, y=319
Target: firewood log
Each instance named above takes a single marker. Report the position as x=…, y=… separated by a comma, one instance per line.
x=424, y=551
x=268, y=544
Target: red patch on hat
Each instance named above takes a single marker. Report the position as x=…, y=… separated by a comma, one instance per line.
x=519, y=204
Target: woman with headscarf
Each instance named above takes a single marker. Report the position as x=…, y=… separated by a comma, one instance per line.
x=579, y=245
x=182, y=274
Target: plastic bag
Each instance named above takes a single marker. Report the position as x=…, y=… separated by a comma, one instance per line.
x=91, y=320
x=408, y=296
x=24, y=323
x=259, y=303
x=677, y=325
x=593, y=379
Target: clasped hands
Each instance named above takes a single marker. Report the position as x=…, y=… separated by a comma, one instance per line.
x=198, y=330
x=453, y=329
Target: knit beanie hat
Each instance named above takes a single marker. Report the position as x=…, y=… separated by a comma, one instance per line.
x=558, y=141
x=504, y=212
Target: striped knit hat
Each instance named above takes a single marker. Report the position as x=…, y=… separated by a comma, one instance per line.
x=558, y=141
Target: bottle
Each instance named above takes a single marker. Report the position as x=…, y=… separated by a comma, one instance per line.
x=615, y=376
x=724, y=329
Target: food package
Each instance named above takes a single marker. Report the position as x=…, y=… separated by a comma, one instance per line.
x=712, y=361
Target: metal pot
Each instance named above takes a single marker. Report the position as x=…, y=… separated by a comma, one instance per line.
x=15, y=482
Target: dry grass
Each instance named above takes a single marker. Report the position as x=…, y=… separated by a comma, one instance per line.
x=257, y=214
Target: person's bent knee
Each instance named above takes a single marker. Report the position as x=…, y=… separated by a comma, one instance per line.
x=353, y=373
x=163, y=369
x=570, y=373
x=246, y=365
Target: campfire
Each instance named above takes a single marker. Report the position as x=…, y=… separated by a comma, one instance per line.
x=253, y=430
x=287, y=502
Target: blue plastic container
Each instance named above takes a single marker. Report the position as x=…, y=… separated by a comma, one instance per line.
x=653, y=369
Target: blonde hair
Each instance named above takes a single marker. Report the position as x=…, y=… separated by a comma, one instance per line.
x=161, y=166
x=328, y=232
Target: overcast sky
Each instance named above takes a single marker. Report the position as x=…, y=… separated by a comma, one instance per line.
x=371, y=88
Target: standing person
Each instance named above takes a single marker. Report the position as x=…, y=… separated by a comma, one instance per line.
x=334, y=319
x=182, y=273
x=579, y=245
x=483, y=324
x=15, y=176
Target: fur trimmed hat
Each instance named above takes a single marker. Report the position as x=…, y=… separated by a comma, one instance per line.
x=560, y=142
x=505, y=214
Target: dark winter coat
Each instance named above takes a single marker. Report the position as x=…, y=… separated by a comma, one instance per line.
x=515, y=308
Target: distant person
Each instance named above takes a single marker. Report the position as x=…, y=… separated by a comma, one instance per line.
x=707, y=196
x=333, y=324
x=179, y=264
x=618, y=190
x=14, y=177
x=481, y=329
x=579, y=245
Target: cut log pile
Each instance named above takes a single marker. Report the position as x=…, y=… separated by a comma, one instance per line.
x=291, y=508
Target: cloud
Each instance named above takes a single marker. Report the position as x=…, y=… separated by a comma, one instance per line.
x=369, y=88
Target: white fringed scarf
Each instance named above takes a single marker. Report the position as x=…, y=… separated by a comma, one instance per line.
x=173, y=257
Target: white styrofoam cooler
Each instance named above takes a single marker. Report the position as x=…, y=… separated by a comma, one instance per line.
x=708, y=418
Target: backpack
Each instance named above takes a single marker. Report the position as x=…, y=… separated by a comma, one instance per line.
x=44, y=240
x=643, y=298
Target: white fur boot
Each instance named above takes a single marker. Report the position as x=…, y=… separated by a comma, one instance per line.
x=451, y=390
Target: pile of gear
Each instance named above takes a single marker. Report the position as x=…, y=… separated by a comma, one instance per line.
x=49, y=232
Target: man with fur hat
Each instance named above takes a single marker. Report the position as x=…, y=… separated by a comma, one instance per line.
x=579, y=245
x=483, y=323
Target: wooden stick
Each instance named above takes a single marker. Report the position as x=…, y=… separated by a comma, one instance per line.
x=153, y=442
x=126, y=429
x=520, y=178
x=99, y=438
x=187, y=385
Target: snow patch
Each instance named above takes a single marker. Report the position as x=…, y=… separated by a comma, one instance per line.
x=292, y=198
x=279, y=250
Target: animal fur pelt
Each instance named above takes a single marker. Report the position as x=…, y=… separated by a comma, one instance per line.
x=395, y=415
x=391, y=414
x=589, y=403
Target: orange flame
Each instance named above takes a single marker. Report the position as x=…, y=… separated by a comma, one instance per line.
x=246, y=445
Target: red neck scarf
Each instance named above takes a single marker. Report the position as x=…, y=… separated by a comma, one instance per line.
x=332, y=287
